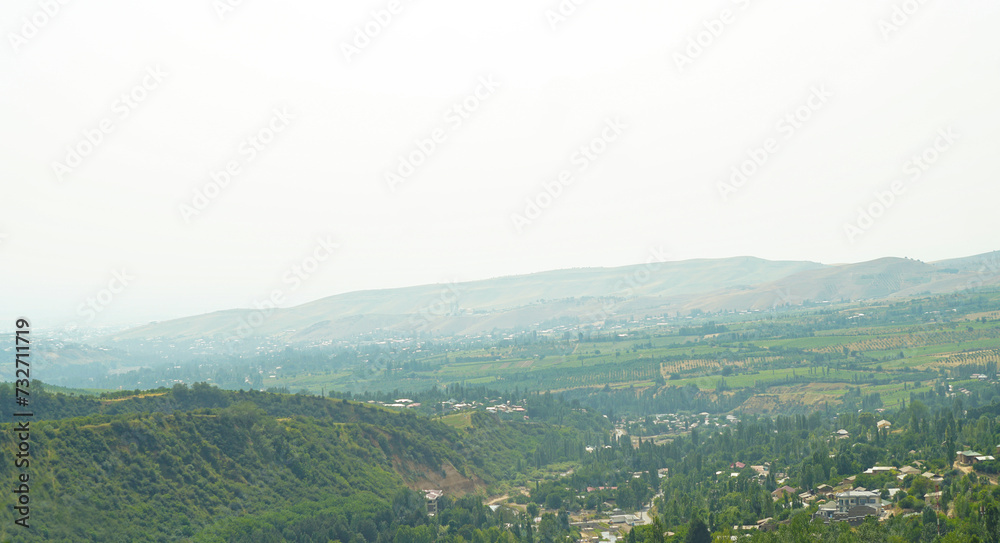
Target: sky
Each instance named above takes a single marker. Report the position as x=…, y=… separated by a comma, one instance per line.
x=160, y=160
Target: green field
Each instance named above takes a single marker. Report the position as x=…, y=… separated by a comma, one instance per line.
x=801, y=356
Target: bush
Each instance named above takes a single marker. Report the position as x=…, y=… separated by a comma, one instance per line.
x=991, y=467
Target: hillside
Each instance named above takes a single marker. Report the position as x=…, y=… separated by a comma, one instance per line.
x=201, y=464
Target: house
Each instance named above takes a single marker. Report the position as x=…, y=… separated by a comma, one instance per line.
x=781, y=492
x=884, y=424
x=432, y=497
x=908, y=470
x=852, y=498
x=738, y=465
x=933, y=498
x=967, y=457
x=852, y=506
x=842, y=434
x=826, y=511
x=878, y=469
x=824, y=490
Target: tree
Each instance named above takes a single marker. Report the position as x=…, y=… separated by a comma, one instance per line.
x=658, y=531
x=991, y=524
x=698, y=531
x=548, y=528
x=872, y=532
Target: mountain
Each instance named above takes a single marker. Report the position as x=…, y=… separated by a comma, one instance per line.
x=587, y=295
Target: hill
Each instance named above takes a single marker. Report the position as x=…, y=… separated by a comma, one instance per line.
x=202, y=464
x=588, y=295
x=476, y=306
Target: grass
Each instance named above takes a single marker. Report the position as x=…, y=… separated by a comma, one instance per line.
x=458, y=421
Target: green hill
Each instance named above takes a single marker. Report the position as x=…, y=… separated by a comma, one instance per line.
x=201, y=464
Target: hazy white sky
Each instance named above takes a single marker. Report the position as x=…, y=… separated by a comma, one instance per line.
x=155, y=97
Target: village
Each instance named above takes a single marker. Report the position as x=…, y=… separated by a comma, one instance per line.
x=893, y=490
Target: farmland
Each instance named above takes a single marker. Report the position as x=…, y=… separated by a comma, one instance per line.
x=801, y=357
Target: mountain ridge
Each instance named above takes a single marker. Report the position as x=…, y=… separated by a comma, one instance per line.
x=586, y=294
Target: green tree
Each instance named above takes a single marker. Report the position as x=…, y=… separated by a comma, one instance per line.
x=991, y=523
x=658, y=531
x=698, y=531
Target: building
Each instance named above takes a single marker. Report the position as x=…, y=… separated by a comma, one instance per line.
x=852, y=506
x=967, y=457
x=781, y=492
x=432, y=497
x=852, y=498
x=933, y=498
x=826, y=511
x=884, y=424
